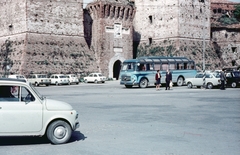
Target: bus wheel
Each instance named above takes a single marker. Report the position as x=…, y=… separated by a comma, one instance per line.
x=128, y=86
x=180, y=81
x=143, y=83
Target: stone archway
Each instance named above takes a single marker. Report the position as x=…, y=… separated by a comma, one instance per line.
x=116, y=69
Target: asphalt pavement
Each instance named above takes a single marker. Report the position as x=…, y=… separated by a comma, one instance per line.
x=115, y=120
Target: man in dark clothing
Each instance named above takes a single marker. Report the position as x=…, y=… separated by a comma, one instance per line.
x=168, y=79
x=223, y=79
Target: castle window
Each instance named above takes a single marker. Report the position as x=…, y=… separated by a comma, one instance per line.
x=234, y=49
x=219, y=10
x=150, y=41
x=150, y=19
x=214, y=11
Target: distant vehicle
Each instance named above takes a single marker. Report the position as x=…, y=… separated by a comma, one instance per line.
x=233, y=79
x=72, y=78
x=39, y=79
x=25, y=112
x=141, y=71
x=59, y=79
x=95, y=77
x=17, y=76
x=211, y=80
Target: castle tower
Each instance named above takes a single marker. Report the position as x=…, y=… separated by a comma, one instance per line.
x=172, y=28
x=112, y=31
x=47, y=36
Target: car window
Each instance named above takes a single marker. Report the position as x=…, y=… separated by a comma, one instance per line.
x=100, y=75
x=208, y=76
x=12, y=93
x=26, y=95
x=199, y=76
x=91, y=75
x=9, y=93
x=95, y=75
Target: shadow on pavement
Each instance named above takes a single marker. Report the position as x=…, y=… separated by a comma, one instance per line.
x=31, y=140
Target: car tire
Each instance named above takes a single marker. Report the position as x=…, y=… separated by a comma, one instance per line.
x=36, y=84
x=96, y=81
x=180, y=81
x=56, y=83
x=143, y=83
x=234, y=85
x=85, y=81
x=59, y=132
x=189, y=85
x=209, y=85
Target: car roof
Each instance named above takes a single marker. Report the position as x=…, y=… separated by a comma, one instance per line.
x=12, y=79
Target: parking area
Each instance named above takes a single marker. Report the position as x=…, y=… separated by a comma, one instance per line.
x=115, y=120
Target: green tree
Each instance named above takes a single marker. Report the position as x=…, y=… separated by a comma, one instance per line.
x=236, y=12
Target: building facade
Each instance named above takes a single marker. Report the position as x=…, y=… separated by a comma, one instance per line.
x=59, y=36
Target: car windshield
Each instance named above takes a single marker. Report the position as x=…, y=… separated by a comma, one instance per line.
x=35, y=90
x=100, y=75
x=236, y=74
x=62, y=76
x=42, y=76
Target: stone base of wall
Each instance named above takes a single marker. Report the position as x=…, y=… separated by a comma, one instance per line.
x=44, y=53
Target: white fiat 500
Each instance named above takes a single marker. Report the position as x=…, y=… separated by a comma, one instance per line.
x=24, y=112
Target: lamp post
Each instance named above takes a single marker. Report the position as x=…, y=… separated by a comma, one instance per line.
x=204, y=47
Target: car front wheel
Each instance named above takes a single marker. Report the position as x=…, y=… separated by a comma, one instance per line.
x=59, y=132
x=189, y=85
x=209, y=85
x=234, y=84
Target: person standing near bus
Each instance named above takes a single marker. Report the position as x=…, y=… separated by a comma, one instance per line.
x=158, y=79
x=223, y=79
x=168, y=79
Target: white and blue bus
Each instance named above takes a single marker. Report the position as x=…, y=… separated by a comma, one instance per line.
x=141, y=71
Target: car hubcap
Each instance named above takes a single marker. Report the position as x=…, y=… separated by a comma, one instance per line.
x=60, y=132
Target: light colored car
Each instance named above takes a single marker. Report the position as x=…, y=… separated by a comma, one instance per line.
x=17, y=76
x=95, y=77
x=59, y=79
x=72, y=78
x=39, y=79
x=25, y=112
x=211, y=80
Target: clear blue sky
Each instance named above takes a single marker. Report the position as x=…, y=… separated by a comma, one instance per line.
x=85, y=2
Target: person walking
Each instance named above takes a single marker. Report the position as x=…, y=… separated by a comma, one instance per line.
x=223, y=79
x=168, y=79
x=158, y=79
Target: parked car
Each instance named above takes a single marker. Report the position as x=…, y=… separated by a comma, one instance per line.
x=95, y=77
x=17, y=76
x=59, y=79
x=211, y=80
x=25, y=112
x=72, y=78
x=39, y=79
x=233, y=78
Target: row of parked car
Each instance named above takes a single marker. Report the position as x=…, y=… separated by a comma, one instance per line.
x=60, y=79
x=212, y=79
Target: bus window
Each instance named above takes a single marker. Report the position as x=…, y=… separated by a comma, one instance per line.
x=172, y=66
x=164, y=66
x=127, y=66
x=179, y=66
x=157, y=67
x=185, y=66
